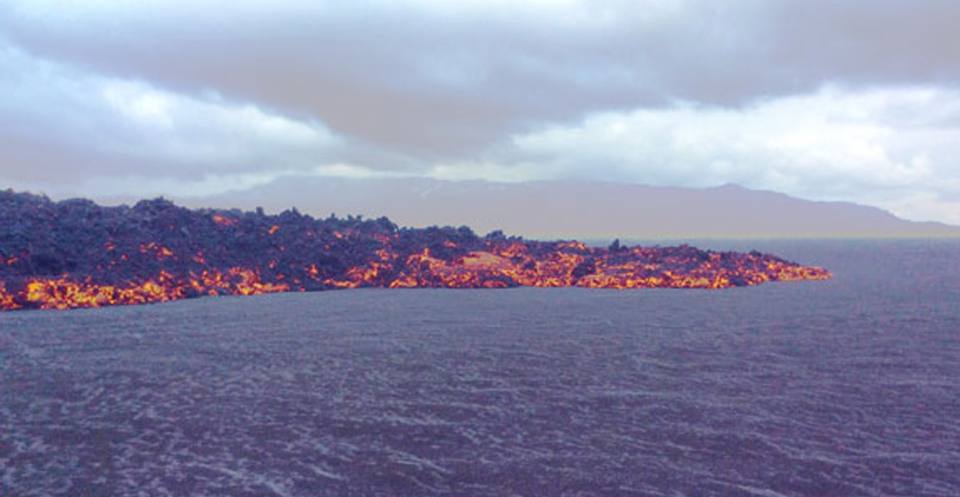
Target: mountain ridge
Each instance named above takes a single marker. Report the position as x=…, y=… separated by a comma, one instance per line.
x=584, y=210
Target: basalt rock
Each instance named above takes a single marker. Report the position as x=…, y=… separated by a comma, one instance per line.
x=75, y=253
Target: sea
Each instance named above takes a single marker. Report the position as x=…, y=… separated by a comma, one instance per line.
x=847, y=387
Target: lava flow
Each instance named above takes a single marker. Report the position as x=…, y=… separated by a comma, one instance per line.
x=74, y=253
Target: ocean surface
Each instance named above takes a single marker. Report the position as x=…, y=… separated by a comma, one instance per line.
x=846, y=387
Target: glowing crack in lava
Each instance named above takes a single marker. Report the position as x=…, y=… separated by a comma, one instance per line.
x=73, y=254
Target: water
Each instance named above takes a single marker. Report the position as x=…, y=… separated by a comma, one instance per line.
x=840, y=388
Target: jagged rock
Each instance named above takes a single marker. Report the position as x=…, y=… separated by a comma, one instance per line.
x=76, y=253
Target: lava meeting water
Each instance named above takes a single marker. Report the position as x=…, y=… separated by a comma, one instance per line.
x=843, y=387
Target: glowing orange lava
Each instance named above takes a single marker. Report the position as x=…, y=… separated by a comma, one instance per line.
x=223, y=220
x=84, y=255
x=500, y=266
x=68, y=293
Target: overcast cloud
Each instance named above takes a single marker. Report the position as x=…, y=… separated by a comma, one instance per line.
x=854, y=100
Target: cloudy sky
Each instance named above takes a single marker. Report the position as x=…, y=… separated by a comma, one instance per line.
x=852, y=100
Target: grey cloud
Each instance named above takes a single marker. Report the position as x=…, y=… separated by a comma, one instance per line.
x=878, y=147
x=438, y=85
x=195, y=98
x=63, y=126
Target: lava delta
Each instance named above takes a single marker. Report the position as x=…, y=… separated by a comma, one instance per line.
x=75, y=253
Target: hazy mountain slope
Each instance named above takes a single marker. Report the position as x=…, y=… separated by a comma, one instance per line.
x=569, y=209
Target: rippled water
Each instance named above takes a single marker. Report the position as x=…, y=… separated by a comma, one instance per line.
x=840, y=388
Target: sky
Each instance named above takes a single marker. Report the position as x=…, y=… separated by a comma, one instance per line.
x=855, y=101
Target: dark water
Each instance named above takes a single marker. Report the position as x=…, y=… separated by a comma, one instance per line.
x=840, y=388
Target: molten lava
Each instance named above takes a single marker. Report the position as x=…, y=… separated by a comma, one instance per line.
x=75, y=254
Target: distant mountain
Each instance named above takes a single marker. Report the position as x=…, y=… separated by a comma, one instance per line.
x=591, y=210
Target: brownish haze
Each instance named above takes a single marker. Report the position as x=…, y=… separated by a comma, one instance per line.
x=592, y=210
